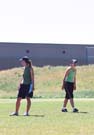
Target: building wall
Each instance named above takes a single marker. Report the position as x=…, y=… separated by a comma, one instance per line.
x=41, y=54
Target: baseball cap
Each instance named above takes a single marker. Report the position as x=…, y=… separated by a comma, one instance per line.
x=25, y=58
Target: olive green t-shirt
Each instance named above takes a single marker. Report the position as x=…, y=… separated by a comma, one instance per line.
x=27, y=76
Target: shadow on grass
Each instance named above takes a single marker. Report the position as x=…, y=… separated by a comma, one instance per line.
x=84, y=112
x=28, y=116
x=80, y=112
x=38, y=115
x=35, y=115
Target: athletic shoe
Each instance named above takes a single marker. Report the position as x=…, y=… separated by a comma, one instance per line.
x=75, y=110
x=26, y=114
x=64, y=110
x=14, y=114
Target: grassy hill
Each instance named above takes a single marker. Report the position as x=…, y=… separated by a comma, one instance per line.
x=48, y=81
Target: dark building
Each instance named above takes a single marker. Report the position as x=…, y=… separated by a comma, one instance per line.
x=45, y=54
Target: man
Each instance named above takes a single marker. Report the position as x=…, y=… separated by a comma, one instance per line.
x=69, y=84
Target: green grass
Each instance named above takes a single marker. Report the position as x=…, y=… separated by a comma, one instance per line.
x=48, y=81
x=47, y=119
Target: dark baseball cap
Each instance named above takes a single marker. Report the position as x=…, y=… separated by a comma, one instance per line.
x=25, y=58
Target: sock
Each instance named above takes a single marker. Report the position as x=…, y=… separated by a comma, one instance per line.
x=64, y=107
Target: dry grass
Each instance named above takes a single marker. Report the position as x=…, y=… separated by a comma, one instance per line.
x=48, y=81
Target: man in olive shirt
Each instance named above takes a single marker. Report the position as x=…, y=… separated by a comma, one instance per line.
x=69, y=84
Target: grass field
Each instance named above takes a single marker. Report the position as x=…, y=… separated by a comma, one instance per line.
x=47, y=119
x=48, y=81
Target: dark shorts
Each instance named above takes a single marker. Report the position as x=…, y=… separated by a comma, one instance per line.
x=69, y=90
x=24, y=91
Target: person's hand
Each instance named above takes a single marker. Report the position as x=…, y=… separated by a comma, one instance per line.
x=62, y=87
x=33, y=88
x=19, y=87
x=30, y=88
x=74, y=87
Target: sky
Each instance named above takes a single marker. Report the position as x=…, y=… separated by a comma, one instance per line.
x=47, y=21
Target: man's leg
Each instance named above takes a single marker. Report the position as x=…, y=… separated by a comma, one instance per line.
x=28, y=105
x=18, y=104
x=64, y=105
